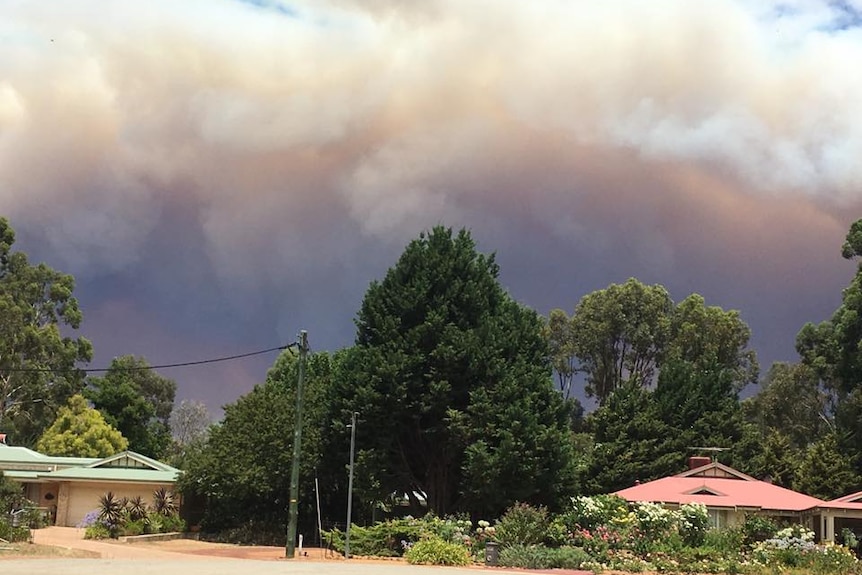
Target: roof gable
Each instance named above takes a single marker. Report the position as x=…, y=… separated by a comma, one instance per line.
x=852, y=498
x=704, y=490
x=131, y=460
x=718, y=470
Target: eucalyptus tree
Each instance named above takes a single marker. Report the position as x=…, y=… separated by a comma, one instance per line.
x=619, y=334
x=38, y=357
x=832, y=350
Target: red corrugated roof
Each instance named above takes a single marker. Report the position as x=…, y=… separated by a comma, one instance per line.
x=852, y=501
x=720, y=492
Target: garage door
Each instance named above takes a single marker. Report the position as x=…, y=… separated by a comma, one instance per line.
x=84, y=498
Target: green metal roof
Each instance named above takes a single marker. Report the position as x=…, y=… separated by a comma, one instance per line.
x=22, y=475
x=112, y=474
x=25, y=464
x=12, y=455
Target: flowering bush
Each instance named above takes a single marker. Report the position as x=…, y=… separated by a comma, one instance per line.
x=693, y=523
x=590, y=512
x=794, y=547
x=653, y=520
x=89, y=519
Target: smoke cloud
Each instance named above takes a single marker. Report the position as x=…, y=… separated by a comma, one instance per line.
x=235, y=170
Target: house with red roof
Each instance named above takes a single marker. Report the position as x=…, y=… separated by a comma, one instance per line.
x=841, y=513
x=729, y=495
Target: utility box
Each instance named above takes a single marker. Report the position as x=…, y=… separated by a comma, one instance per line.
x=492, y=553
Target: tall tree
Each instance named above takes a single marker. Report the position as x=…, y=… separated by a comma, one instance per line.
x=190, y=426
x=627, y=332
x=81, y=431
x=792, y=403
x=710, y=337
x=560, y=334
x=620, y=333
x=825, y=471
x=243, y=471
x=632, y=443
x=454, y=375
x=37, y=361
x=137, y=401
x=190, y=422
x=832, y=350
x=832, y=347
x=776, y=460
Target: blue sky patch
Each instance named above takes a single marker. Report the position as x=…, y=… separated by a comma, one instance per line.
x=274, y=6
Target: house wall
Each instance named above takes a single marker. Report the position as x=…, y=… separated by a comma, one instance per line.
x=78, y=499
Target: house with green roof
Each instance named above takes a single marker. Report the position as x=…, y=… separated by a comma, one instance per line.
x=67, y=488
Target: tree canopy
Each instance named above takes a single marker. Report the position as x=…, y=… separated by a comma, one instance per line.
x=620, y=333
x=137, y=401
x=456, y=378
x=243, y=471
x=38, y=370
x=81, y=431
x=625, y=333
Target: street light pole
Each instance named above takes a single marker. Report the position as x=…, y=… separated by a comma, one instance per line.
x=297, y=438
x=350, y=484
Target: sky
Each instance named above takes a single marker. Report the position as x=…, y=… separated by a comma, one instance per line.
x=220, y=174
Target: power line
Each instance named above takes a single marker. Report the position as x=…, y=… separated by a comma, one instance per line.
x=149, y=367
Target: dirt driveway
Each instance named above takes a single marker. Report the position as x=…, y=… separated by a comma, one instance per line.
x=186, y=549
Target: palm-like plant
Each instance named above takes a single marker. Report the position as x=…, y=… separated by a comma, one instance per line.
x=137, y=509
x=163, y=502
x=110, y=509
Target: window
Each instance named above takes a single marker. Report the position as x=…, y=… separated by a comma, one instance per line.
x=717, y=518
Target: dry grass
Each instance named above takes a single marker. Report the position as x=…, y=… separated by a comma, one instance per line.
x=35, y=551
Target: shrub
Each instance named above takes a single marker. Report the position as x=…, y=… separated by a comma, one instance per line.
x=522, y=524
x=173, y=524
x=849, y=538
x=155, y=523
x=387, y=539
x=13, y=534
x=726, y=540
x=97, y=531
x=540, y=557
x=132, y=528
x=435, y=551
x=250, y=533
x=693, y=523
x=392, y=538
x=591, y=512
x=758, y=528
x=32, y=517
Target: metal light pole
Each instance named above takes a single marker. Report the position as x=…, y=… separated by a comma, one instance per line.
x=297, y=438
x=352, y=427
